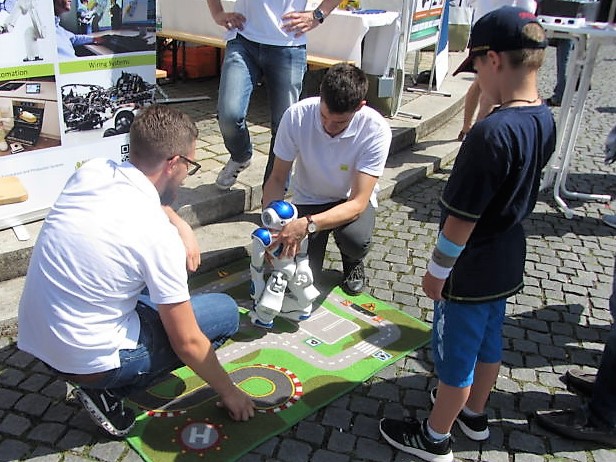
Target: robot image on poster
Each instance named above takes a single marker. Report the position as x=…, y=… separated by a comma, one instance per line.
x=289, y=290
x=32, y=34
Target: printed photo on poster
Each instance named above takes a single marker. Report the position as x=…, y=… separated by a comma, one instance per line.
x=425, y=24
x=26, y=30
x=97, y=105
x=104, y=27
x=29, y=117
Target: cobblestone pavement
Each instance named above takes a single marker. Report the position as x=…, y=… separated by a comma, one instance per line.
x=560, y=319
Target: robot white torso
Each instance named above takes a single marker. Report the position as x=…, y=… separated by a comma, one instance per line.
x=289, y=290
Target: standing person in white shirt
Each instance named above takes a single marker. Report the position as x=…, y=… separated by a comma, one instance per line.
x=83, y=311
x=266, y=40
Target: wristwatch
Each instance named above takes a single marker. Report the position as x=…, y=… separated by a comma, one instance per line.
x=318, y=15
x=312, y=226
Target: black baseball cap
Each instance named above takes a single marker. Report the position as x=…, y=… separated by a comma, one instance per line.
x=500, y=30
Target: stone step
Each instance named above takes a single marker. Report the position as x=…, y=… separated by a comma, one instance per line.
x=228, y=239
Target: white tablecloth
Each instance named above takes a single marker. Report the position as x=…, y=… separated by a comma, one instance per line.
x=339, y=37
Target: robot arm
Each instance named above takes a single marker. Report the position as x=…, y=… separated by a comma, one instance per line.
x=261, y=239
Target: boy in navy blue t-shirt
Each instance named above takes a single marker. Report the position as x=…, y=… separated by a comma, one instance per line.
x=479, y=258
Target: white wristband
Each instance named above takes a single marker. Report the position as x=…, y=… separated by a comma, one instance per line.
x=438, y=271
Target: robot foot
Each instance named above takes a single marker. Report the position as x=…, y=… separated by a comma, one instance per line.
x=257, y=322
x=295, y=315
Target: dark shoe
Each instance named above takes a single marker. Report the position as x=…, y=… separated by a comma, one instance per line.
x=106, y=410
x=474, y=427
x=354, y=278
x=410, y=437
x=579, y=381
x=574, y=424
x=610, y=220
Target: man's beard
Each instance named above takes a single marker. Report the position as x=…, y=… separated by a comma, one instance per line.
x=168, y=196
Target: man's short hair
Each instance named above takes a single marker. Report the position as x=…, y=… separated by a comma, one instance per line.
x=159, y=132
x=344, y=87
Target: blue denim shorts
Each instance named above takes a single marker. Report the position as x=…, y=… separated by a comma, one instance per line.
x=463, y=335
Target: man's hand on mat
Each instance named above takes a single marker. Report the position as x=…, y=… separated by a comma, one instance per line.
x=238, y=404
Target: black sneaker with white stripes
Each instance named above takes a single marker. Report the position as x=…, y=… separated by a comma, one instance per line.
x=106, y=410
x=410, y=437
x=474, y=427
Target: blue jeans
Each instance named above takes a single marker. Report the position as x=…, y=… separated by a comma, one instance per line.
x=245, y=64
x=603, y=403
x=218, y=318
x=563, y=50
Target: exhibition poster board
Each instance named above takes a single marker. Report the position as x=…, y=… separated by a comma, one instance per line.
x=441, y=58
x=425, y=24
x=70, y=86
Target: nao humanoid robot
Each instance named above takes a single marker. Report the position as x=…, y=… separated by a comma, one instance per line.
x=289, y=290
x=32, y=34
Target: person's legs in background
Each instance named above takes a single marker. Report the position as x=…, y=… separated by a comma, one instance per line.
x=597, y=420
x=486, y=105
x=603, y=403
x=239, y=76
x=563, y=50
x=610, y=220
x=471, y=100
x=283, y=69
x=474, y=97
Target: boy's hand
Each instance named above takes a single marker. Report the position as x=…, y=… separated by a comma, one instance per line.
x=432, y=287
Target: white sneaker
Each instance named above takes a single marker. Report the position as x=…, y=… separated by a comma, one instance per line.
x=228, y=175
x=610, y=220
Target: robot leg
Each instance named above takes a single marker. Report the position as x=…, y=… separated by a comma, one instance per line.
x=32, y=46
x=297, y=305
x=270, y=303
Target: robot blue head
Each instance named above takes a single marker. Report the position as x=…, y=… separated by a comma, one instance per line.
x=277, y=214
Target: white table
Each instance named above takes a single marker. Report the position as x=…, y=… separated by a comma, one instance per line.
x=587, y=39
x=365, y=39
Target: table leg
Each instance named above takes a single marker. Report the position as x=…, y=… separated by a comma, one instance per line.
x=584, y=85
x=576, y=89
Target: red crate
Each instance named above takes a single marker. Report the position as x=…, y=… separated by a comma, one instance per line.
x=201, y=61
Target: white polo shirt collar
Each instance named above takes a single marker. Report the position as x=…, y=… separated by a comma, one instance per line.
x=348, y=132
x=138, y=178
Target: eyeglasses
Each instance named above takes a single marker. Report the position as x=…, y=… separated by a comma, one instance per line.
x=195, y=165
